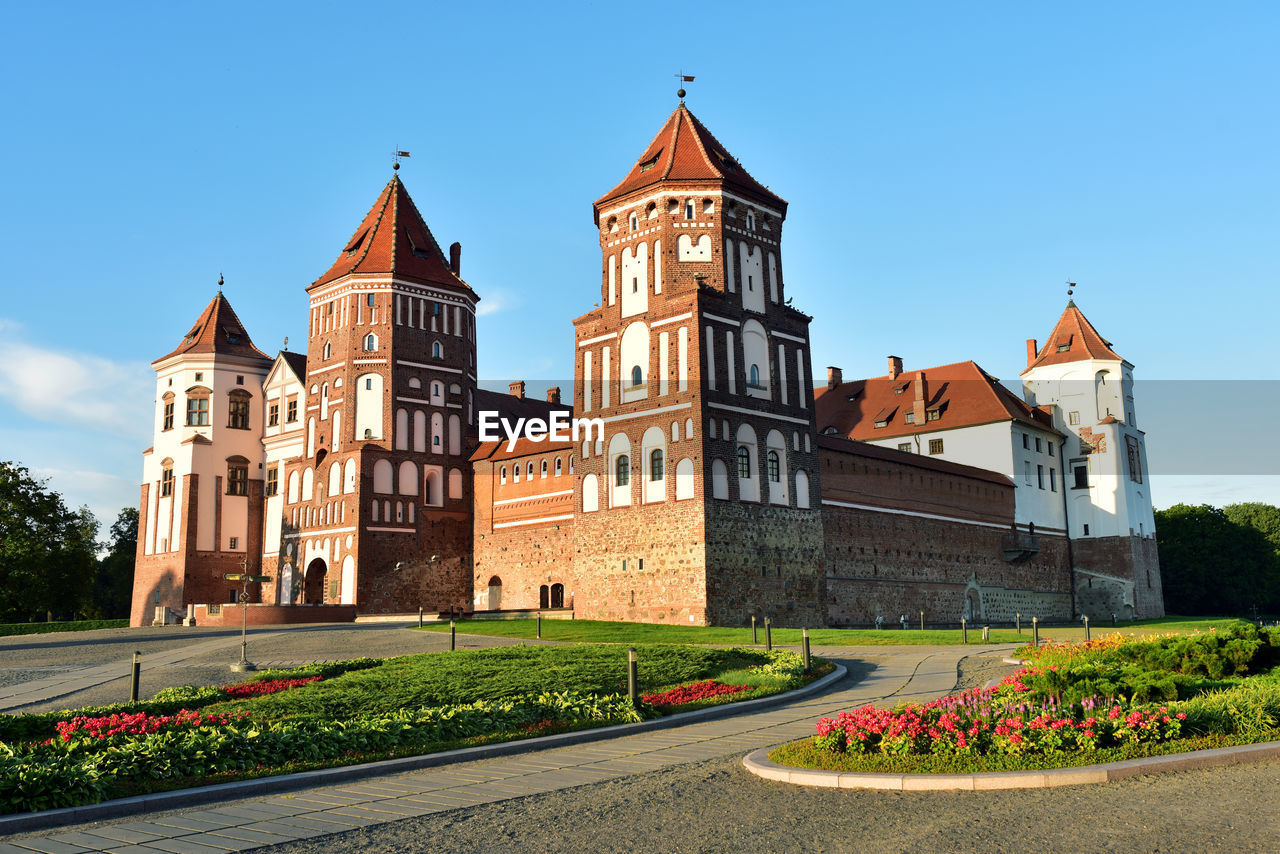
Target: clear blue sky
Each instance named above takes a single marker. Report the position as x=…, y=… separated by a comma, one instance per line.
x=948, y=166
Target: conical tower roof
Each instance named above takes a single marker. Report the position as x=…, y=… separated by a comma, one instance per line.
x=218, y=330
x=393, y=239
x=1073, y=339
x=684, y=150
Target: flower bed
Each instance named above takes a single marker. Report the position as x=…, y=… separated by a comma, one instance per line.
x=258, y=689
x=138, y=723
x=1110, y=698
x=691, y=693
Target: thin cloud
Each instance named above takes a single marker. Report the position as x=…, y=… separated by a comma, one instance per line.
x=492, y=303
x=66, y=387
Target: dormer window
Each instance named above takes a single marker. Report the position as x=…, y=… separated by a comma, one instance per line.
x=883, y=423
x=651, y=162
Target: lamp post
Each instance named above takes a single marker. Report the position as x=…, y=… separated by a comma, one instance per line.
x=244, y=665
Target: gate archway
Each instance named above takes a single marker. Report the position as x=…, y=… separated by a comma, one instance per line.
x=313, y=582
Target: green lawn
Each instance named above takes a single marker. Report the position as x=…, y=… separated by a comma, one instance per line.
x=601, y=631
x=7, y=629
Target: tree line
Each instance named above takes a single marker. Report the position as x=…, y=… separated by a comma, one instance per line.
x=1220, y=560
x=52, y=564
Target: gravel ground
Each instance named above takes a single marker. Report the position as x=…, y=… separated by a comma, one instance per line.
x=718, y=806
x=977, y=670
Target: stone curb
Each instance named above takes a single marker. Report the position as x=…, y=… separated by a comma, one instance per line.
x=180, y=798
x=758, y=763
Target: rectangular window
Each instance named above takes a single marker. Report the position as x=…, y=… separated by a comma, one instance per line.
x=1026, y=440
x=291, y=410
x=166, y=483
x=935, y=446
x=1073, y=417
x=368, y=300
x=168, y=415
x=911, y=418
x=273, y=415
x=1053, y=480
x=1086, y=529
x=1135, y=460
x=933, y=415
x=237, y=479
x=905, y=447
x=1040, y=476
x=1038, y=444
x=235, y=541
x=238, y=412
x=1051, y=449
x=1081, y=473
x=1026, y=472
x=197, y=412
x=273, y=482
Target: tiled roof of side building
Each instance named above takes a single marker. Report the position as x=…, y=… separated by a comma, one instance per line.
x=297, y=363
x=394, y=239
x=684, y=150
x=511, y=408
x=865, y=449
x=218, y=330
x=957, y=395
x=1073, y=339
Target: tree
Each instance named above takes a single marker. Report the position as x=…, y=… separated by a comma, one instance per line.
x=47, y=552
x=113, y=583
x=1211, y=564
x=1262, y=517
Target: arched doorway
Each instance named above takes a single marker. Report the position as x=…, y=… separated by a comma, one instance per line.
x=544, y=596
x=495, y=593
x=557, y=595
x=313, y=583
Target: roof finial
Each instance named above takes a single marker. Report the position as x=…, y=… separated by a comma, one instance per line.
x=219, y=282
x=1071, y=287
x=683, y=78
x=286, y=343
x=396, y=154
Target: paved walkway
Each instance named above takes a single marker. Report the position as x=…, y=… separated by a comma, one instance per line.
x=900, y=674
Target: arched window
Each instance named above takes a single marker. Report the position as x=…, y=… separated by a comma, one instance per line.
x=635, y=222
x=571, y=464
x=744, y=462
x=655, y=465
x=775, y=470
x=751, y=220
x=753, y=376
x=688, y=209
x=637, y=376
x=558, y=467
x=198, y=407
x=515, y=473
x=437, y=352
x=544, y=468
x=529, y=471
x=370, y=342
x=166, y=479
x=328, y=350
x=502, y=475
x=623, y=473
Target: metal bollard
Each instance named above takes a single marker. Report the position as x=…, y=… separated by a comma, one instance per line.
x=1018, y=618
x=922, y=621
x=453, y=635
x=419, y=616
x=1086, y=627
x=1113, y=619
x=539, y=625
x=1035, y=631
x=804, y=648
x=754, y=637
x=633, y=674
x=986, y=634
x=768, y=634
x=964, y=630
x=134, y=678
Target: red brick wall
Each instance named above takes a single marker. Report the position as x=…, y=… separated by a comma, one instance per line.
x=1133, y=562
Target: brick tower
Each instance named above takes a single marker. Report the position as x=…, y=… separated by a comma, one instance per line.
x=200, y=514
x=377, y=510
x=700, y=504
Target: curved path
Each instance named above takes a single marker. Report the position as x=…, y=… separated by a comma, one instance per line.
x=899, y=674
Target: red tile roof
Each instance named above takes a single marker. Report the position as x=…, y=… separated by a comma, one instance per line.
x=962, y=394
x=219, y=331
x=394, y=239
x=511, y=407
x=684, y=150
x=864, y=449
x=1076, y=334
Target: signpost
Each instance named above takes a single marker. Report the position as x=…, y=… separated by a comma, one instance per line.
x=245, y=579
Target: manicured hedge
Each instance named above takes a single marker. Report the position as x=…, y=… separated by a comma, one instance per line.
x=7, y=629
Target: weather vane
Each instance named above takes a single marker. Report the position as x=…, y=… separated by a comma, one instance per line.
x=219, y=282
x=683, y=78
x=395, y=158
x=1071, y=287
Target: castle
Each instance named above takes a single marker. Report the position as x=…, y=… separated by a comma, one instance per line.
x=712, y=481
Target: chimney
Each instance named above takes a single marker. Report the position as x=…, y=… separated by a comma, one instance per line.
x=922, y=397
x=553, y=395
x=895, y=367
x=455, y=258
x=516, y=389
x=1031, y=351
x=834, y=376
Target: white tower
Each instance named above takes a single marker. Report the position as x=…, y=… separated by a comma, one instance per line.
x=1089, y=389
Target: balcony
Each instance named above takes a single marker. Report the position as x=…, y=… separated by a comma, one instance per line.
x=1019, y=547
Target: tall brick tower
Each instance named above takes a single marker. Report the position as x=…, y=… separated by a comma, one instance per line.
x=700, y=504
x=378, y=508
